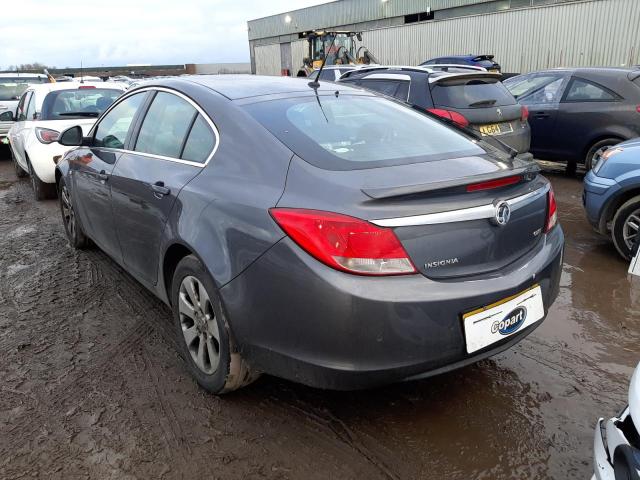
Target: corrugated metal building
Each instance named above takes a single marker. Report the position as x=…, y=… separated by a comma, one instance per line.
x=524, y=35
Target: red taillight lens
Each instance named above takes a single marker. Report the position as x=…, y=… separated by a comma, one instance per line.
x=345, y=243
x=455, y=116
x=86, y=87
x=491, y=184
x=638, y=109
x=552, y=211
x=46, y=135
x=524, y=113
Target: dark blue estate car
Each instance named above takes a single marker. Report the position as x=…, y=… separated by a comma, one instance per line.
x=484, y=61
x=612, y=195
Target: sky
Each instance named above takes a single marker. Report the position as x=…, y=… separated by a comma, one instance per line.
x=62, y=33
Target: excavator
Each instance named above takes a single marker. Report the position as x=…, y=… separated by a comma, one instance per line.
x=339, y=48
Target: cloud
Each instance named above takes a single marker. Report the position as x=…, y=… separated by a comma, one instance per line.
x=119, y=32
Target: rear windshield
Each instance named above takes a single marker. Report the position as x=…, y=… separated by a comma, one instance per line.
x=77, y=103
x=13, y=88
x=471, y=93
x=349, y=132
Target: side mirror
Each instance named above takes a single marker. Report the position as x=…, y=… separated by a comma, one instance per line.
x=7, y=117
x=71, y=137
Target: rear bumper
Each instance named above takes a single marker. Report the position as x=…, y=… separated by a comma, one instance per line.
x=519, y=139
x=296, y=318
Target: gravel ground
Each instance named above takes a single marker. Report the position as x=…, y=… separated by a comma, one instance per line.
x=91, y=385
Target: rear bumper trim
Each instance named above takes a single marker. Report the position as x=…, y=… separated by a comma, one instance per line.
x=462, y=215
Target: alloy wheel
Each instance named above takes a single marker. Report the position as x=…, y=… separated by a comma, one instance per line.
x=67, y=211
x=631, y=228
x=199, y=325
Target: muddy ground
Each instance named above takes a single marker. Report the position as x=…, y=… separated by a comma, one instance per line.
x=91, y=385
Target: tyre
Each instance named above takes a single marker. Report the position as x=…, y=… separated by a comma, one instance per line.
x=203, y=331
x=626, y=227
x=73, y=228
x=41, y=190
x=596, y=150
x=20, y=173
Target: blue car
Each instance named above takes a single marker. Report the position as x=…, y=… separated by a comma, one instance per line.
x=484, y=61
x=611, y=195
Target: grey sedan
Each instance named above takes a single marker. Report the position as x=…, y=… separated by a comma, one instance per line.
x=325, y=235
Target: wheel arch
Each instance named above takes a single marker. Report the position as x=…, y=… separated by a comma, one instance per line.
x=598, y=138
x=614, y=204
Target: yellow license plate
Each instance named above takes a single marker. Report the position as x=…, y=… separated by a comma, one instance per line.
x=496, y=129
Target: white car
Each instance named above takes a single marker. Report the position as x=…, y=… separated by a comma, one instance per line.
x=43, y=113
x=12, y=86
x=616, y=446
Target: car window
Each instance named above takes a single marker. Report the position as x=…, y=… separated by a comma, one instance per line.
x=13, y=88
x=22, y=107
x=471, y=93
x=328, y=75
x=392, y=88
x=349, y=132
x=200, y=142
x=114, y=126
x=77, y=103
x=584, y=91
x=165, y=126
x=31, y=108
x=313, y=75
x=534, y=89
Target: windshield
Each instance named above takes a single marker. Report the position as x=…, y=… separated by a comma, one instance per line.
x=77, y=103
x=471, y=93
x=13, y=88
x=348, y=132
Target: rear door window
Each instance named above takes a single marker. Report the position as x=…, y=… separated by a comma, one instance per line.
x=471, y=93
x=200, y=142
x=393, y=88
x=112, y=130
x=165, y=126
x=22, y=107
x=31, y=108
x=581, y=90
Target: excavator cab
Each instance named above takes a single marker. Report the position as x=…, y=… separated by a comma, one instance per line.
x=338, y=47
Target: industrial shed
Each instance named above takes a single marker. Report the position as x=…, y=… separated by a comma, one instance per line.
x=524, y=35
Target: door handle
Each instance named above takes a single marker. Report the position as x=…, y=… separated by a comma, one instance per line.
x=542, y=115
x=102, y=176
x=160, y=190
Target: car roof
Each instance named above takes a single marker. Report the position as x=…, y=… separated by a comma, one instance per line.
x=50, y=87
x=235, y=87
x=598, y=70
x=434, y=73
x=22, y=75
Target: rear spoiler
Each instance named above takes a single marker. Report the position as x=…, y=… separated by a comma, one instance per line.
x=479, y=58
x=634, y=75
x=378, y=193
x=456, y=76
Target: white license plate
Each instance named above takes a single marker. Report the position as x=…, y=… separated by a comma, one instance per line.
x=496, y=322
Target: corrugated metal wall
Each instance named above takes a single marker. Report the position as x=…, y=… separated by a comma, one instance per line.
x=268, y=60
x=572, y=34
x=299, y=50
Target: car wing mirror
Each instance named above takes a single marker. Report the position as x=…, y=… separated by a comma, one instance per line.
x=7, y=117
x=73, y=137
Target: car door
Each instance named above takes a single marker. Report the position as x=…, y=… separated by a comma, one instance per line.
x=91, y=169
x=541, y=94
x=173, y=142
x=585, y=107
x=17, y=131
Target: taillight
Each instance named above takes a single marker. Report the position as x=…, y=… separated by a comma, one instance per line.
x=455, y=116
x=524, y=113
x=46, y=135
x=638, y=109
x=345, y=243
x=552, y=211
x=86, y=87
x=491, y=184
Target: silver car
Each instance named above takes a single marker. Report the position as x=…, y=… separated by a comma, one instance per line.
x=12, y=86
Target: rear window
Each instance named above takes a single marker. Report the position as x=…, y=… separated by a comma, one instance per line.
x=349, y=132
x=13, y=88
x=471, y=93
x=77, y=103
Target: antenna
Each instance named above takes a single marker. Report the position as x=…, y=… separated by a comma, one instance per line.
x=81, y=73
x=316, y=83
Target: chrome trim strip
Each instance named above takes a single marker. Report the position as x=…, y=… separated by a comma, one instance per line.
x=463, y=215
x=160, y=157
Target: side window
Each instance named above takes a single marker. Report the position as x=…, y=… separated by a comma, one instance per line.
x=391, y=88
x=548, y=93
x=22, y=107
x=165, y=126
x=328, y=75
x=113, y=128
x=31, y=108
x=584, y=91
x=200, y=142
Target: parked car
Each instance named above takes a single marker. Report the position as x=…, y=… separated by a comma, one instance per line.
x=313, y=234
x=12, y=86
x=484, y=61
x=616, y=443
x=333, y=73
x=43, y=112
x=611, y=195
x=577, y=113
x=476, y=99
